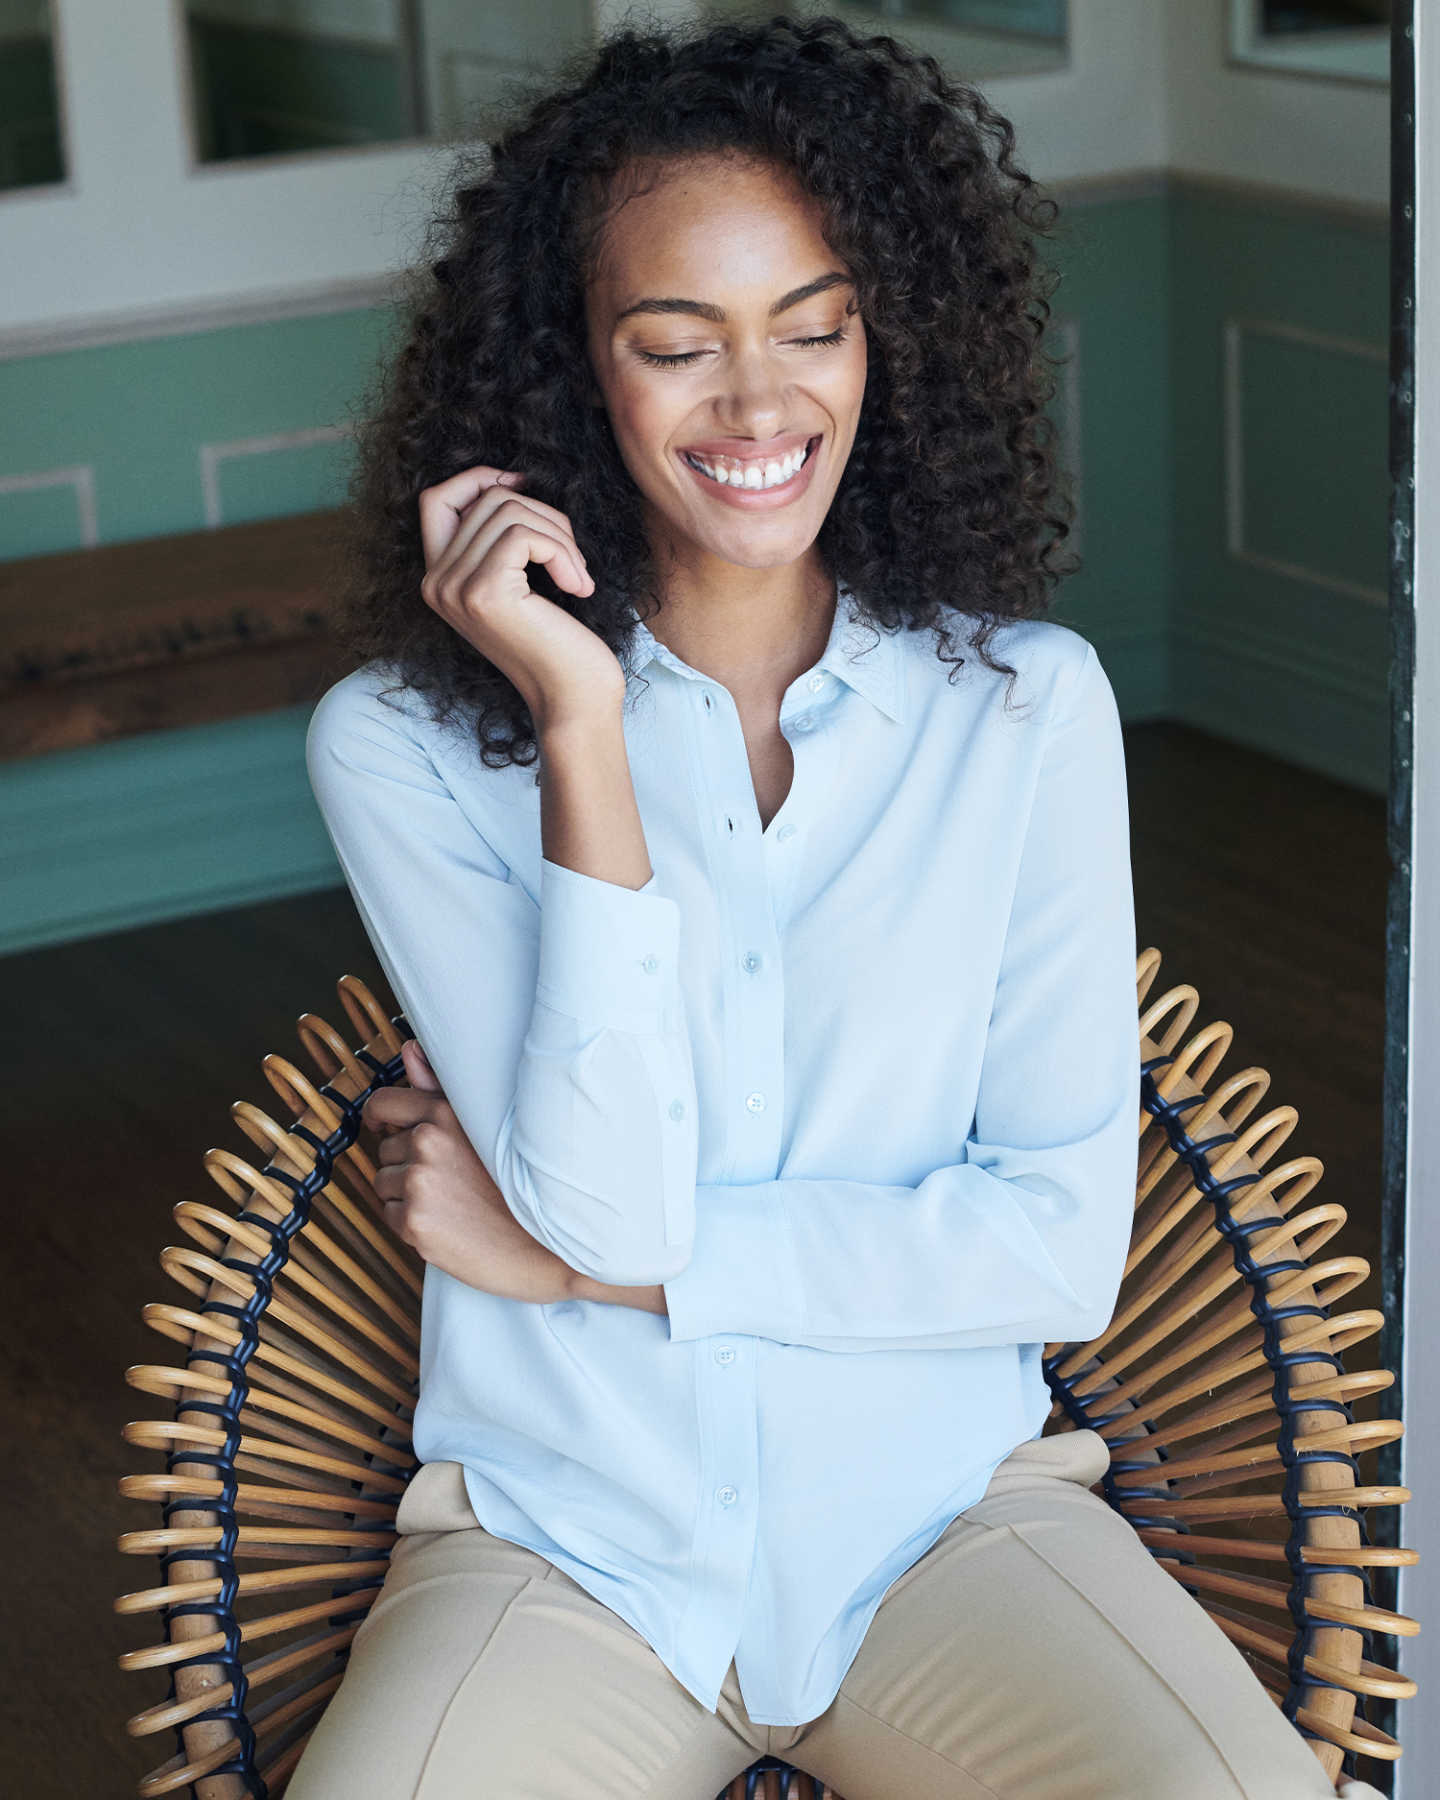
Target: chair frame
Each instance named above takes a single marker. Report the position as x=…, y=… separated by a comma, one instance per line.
x=311, y=1388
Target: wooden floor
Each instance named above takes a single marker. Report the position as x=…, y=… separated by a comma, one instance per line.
x=1262, y=885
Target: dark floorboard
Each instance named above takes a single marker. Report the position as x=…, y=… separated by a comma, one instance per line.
x=1262, y=885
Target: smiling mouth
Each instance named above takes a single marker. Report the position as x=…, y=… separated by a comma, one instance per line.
x=756, y=476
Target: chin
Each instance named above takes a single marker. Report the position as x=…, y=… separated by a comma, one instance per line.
x=774, y=555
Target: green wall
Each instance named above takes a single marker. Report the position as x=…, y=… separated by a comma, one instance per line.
x=1280, y=474
x=1115, y=411
x=1278, y=643
x=147, y=417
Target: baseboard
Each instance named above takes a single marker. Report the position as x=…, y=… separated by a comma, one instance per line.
x=160, y=826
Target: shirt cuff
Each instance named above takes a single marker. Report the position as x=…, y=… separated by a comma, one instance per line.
x=609, y=954
x=741, y=1274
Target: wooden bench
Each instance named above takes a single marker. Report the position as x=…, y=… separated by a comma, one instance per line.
x=182, y=630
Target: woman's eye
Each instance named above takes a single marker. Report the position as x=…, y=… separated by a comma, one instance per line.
x=669, y=362
x=831, y=337
x=679, y=358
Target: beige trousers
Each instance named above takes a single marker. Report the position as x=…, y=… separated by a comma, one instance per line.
x=1036, y=1651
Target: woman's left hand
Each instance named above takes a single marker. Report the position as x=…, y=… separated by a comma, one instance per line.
x=439, y=1196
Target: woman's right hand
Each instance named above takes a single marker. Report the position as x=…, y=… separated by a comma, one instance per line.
x=478, y=534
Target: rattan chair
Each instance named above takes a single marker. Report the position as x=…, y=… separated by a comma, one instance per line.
x=1218, y=1383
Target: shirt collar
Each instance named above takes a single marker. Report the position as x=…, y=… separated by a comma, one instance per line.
x=852, y=654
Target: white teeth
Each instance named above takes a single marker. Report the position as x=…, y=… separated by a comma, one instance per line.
x=753, y=474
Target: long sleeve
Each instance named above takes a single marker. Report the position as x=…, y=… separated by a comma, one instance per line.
x=1025, y=1238
x=557, y=1033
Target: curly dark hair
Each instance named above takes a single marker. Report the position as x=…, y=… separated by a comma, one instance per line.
x=950, y=503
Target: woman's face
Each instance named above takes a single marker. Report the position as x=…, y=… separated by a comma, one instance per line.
x=728, y=348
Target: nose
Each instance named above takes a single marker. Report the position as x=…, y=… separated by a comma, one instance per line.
x=753, y=402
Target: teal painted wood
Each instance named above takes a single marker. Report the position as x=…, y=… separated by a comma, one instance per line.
x=189, y=821
x=160, y=826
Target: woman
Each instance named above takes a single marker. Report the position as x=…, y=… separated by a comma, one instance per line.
x=780, y=1073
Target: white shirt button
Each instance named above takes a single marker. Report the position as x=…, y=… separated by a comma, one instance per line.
x=817, y=681
x=751, y=961
x=804, y=722
x=727, y=1495
x=756, y=1102
x=785, y=832
x=725, y=1353
x=649, y=964
x=677, y=1109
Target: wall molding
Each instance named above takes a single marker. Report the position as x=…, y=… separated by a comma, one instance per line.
x=1285, y=656
x=1148, y=183
x=1276, y=197
x=80, y=477
x=185, y=319
x=1261, y=694
x=1233, y=333
x=214, y=456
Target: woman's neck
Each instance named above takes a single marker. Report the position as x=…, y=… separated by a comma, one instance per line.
x=752, y=630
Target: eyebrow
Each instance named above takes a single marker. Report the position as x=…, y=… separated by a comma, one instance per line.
x=705, y=309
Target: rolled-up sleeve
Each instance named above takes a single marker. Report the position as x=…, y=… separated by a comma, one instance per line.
x=1025, y=1238
x=557, y=1032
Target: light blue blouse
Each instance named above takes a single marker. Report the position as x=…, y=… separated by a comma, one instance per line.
x=861, y=1089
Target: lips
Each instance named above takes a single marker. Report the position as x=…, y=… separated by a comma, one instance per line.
x=751, y=498
x=752, y=474
x=744, y=450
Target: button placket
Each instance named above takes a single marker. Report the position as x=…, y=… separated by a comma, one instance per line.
x=731, y=1469
x=753, y=1012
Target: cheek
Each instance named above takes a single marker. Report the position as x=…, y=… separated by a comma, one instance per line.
x=850, y=403
x=855, y=373
x=643, y=424
x=626, y=402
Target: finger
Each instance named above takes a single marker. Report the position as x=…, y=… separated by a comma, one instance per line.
x=505, y=493
x=443, y=506
x=513, y=542
x=390, y=1182
x=417, y=1067
x=486, y=523
x=397, y=1218
x=446, y=534
x=505, y=487
x=398, y=1107
x=396, y=1146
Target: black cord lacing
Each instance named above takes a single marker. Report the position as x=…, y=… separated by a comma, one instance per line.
x=1086, y=1411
